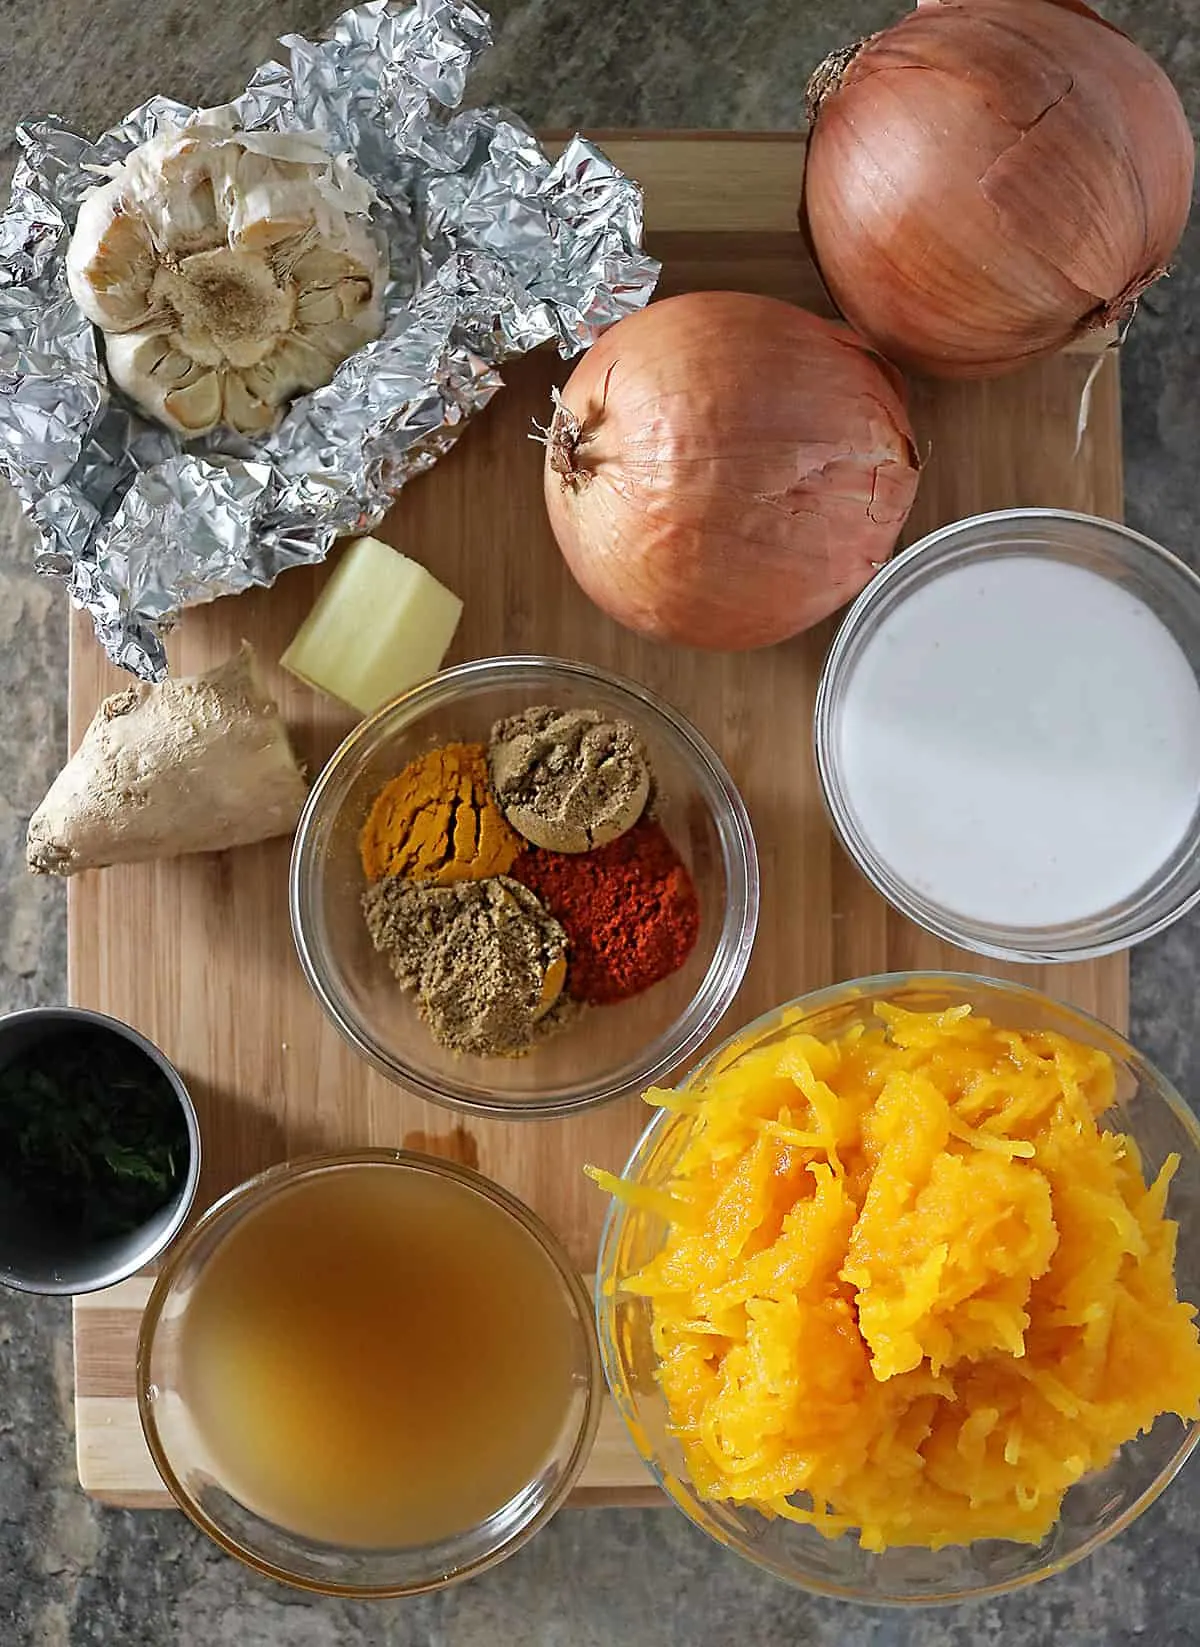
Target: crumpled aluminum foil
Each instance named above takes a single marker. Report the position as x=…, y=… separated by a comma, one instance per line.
x=493, y=249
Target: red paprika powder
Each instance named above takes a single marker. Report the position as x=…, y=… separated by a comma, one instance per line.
x=629, y=910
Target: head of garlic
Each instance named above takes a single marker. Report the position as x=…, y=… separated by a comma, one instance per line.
x=229, y=271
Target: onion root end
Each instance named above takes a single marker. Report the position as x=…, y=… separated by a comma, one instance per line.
x=1121, y=309
x=562, y=438
x=827, y=77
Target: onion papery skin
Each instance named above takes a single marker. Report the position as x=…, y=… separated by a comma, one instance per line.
x=740, y=469
x=988, y=180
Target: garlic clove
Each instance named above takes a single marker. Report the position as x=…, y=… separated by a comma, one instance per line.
x=174, y=368
x=243, y=410
x=336, y=339
x=322, y=267
x=296, y=365
x=318, y=306
x=346, y=299
x=152, y=371
x=191, y=220
x=134, y=356
x=167, y=183
x=274, y=203
x=353, y=296
x=110, y=263
x=196, y=408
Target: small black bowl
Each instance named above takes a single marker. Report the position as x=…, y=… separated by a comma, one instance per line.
x=39, y=1251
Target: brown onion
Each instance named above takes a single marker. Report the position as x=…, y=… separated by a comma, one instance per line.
x=724, y=470
x=988, y=179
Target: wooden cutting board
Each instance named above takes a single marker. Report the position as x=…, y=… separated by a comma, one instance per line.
x=198, y=953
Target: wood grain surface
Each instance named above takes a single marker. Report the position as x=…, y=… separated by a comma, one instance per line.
x=197, y=953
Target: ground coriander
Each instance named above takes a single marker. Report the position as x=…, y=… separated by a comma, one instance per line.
x=568, y=779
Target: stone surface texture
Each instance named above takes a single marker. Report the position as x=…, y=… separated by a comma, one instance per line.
x=73, y=1574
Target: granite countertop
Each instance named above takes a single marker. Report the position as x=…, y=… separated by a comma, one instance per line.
x=73, y=1573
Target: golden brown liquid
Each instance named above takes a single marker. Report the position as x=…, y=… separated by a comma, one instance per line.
x=378, y=1357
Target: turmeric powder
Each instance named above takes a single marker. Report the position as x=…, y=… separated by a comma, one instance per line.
x=438, y=821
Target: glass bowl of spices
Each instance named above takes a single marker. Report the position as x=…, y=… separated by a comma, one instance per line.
x=525, y=887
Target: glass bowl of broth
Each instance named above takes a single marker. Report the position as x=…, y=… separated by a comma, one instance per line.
x=370, y=1374
x=605, y=1051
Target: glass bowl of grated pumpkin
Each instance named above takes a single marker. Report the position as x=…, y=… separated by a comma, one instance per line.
x=895, y=1294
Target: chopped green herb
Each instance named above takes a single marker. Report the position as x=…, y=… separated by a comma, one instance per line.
x=91, y=1132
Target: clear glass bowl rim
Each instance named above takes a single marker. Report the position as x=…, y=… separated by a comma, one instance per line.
x=805, y=1007
x=243, y=1198
x=861, y=616
x=731, y=821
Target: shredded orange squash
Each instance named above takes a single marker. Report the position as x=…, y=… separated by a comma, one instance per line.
x=909, y=1286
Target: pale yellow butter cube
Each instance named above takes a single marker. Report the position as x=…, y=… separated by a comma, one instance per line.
x=381, y=624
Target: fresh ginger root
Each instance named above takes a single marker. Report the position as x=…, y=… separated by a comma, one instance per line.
x=190, y=765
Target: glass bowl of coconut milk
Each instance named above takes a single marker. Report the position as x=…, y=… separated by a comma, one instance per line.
x=1007, y=733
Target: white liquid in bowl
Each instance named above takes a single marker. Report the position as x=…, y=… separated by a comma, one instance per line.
x=1020, y=742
